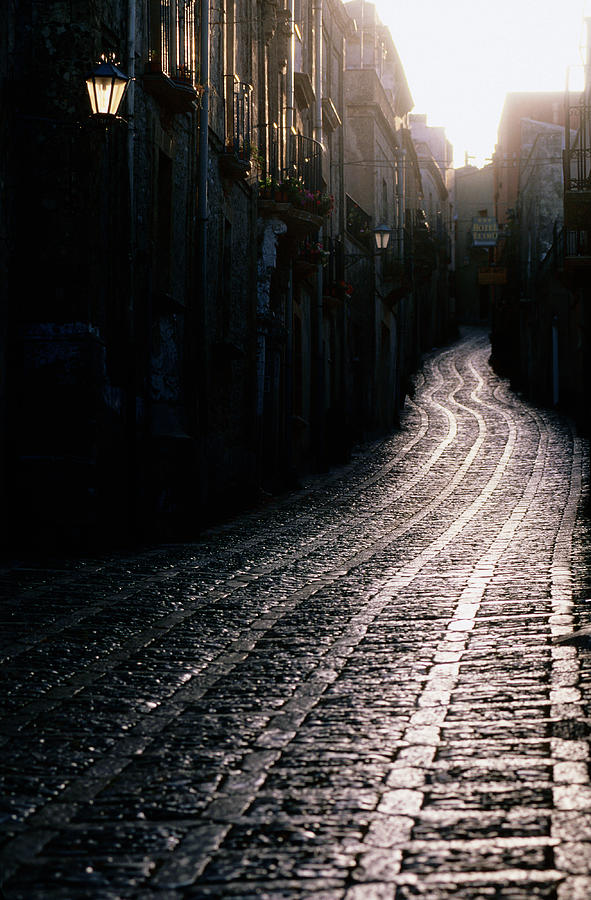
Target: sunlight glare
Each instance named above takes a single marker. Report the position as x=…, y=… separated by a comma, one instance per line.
x=462, y=58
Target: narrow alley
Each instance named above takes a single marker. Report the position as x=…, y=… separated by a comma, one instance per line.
x=364, y=691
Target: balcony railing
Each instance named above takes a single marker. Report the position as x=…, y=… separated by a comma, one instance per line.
x=173, y=39
x=359, y=223
x=333, y=274
x=577, y=154
x=294, y=157
x=304, y=161
x=238, y=122
x=578, y=169
x=577, y=243
x=171, y=68
x=577, y=166
x=577, y=250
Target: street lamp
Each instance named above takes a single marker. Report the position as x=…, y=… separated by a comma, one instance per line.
x=106, y=86
x=382, y=235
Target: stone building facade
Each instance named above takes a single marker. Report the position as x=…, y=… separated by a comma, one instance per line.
x=186, y=323
x=396, y=294
x=434, y=154
x=541, y=194
x=474, y=197
x=540, y=321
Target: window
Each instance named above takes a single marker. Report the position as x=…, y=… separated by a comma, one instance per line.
x=173, y=26
x=238, y=110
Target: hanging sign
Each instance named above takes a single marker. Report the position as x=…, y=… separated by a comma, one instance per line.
x=492, y=276
x=485, y=231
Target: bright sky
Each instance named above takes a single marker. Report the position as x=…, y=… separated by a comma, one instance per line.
x=462, y=57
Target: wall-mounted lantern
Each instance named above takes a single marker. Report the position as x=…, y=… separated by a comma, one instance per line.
x=106, y=87
x=382, y=235
x=382, y=238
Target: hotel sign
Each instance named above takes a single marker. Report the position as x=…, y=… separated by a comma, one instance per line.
x=485, y=231
x=492, y=275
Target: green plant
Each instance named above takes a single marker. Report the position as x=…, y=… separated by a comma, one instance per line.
x=256, y=157
x=314, y=252
x=294, y=189
x=324, y=203
x=267, y=187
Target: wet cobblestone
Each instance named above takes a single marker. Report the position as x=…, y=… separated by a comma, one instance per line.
x=365, y=690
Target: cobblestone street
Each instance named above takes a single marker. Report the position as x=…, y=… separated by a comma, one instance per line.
x=364, y=691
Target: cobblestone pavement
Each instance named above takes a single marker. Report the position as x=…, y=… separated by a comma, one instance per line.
x=365, y=691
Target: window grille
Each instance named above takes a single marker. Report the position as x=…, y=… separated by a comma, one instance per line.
x=173, y=43
x=238, y=138
x=295, y=156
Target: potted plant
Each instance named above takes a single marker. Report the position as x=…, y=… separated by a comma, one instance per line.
x=313, y=252
x=267, y=188
x=324, y=203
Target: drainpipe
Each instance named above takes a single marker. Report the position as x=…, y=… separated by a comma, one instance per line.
x=401, y=163
x=130, y=413
x=362, y=35
x=172, y=46
x=202, y=223
x=289, y=78
x=288, y=425
x=203, y=149
x=289, y=122
x=317, y=11
x=555, y=371
x=319, y=400
x=130, y=97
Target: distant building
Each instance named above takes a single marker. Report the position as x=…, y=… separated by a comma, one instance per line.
x=543, y=106
x=435, y=160
x=576, y=248
x=377, y=101
x=474, y=199
x=540, y=200
x=528, y=187
x=540, y=328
